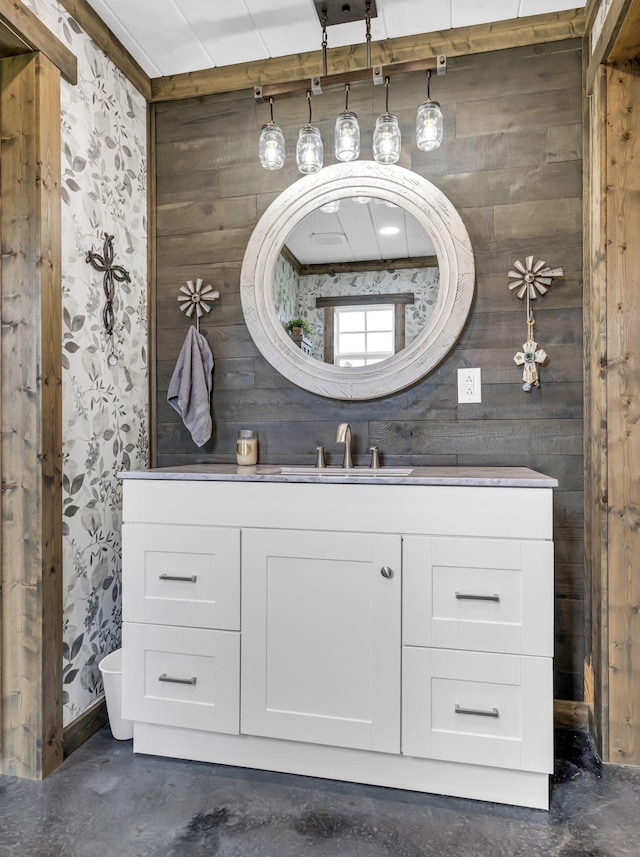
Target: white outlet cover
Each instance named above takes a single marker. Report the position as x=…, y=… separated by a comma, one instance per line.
x=469, y=385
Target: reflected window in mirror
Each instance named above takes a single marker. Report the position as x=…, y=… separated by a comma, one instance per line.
x=363, y=335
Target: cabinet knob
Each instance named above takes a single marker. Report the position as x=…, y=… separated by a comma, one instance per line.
x=386, y=572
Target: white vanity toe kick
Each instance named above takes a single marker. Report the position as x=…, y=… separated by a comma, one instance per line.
x=393, y=634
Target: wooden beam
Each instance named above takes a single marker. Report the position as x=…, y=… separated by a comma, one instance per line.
x=627, y=44
x=623, y=396
x=364, y=300
x=357, y=267
x=461, y=41
x=30, y=384
x=602, y=42
x=21, y=27
x=96, y=28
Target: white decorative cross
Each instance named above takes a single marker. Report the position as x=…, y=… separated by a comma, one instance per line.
x=530, y=357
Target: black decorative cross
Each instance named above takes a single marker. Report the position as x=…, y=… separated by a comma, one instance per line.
x=112, y=274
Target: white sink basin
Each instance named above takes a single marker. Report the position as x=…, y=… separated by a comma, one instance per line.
x=303, y=470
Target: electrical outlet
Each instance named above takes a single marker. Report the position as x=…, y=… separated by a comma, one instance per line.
x=469, y=383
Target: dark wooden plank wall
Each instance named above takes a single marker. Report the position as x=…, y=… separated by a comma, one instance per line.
x=511, y=164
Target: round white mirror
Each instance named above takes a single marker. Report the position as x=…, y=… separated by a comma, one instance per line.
x=363, y=341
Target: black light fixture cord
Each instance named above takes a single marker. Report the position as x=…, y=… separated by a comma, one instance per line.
x=428, y=84
x=347, y=87
x=309, y=100
x=324, y=43
x=271, y=107
x=386, y=97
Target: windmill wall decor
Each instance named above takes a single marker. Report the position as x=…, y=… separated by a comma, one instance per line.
x=530, y=280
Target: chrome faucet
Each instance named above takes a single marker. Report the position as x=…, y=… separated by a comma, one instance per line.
x=344, y=436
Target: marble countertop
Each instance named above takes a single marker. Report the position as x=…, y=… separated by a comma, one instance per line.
x=506, y=477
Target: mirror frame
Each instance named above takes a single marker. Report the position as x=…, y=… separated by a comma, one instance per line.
x=431, y=208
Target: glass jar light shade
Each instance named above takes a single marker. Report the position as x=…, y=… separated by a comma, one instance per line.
x=347, y=137
x=386, y=139
x=271, y=147
x=309, y=151
x=429, y=126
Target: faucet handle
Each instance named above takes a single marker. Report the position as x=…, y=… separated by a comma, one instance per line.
x=320, y=456
x=375, y=458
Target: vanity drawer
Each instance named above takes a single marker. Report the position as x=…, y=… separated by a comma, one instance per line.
x=478, y=708
x=491, y=595
x=181, y=677
x=180, y=575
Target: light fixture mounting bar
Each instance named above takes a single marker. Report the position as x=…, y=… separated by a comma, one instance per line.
x=333, y=12
x=332, y=81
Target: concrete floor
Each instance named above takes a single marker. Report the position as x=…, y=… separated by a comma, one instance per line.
x=105, y=801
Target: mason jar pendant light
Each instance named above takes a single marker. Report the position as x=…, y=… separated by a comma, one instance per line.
x=386, y=137
x=347, y=135
x=309, y=151
x=429, y=127
x=271, y=145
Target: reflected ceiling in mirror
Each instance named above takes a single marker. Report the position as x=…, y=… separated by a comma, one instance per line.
x=363, y=273
x=439, y=222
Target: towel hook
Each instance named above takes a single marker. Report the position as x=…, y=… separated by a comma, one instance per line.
x=194, y=298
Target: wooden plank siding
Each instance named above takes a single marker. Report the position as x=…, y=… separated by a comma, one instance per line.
x=511, y=164
x=31, y=350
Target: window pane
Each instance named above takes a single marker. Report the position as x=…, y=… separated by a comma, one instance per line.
x=380, y=342
x=351, y=361
x=350, y=342
x=381, y=319
x=349, y=321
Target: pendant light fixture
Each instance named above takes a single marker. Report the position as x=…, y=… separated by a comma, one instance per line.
x=429, y=126
x=386, y=137
x=347, y=135
x=271, y=145
x=309, y=151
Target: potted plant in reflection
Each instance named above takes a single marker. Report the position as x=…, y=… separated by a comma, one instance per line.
x=298, y=327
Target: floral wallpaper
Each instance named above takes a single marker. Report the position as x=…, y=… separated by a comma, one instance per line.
x=105, y=408
x=285, y=290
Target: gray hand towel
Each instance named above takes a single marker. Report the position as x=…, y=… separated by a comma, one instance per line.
x=191, y=384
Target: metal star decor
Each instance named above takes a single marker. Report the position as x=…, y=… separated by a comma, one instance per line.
x=195, y=298
x=112, y=274
x=530, y=278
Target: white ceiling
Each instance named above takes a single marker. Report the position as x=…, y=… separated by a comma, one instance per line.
x=353, y=234
x=173, y=36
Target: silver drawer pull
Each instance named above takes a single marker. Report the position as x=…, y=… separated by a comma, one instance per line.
x=463, y=596
x=191, y=579
x=478, y=712
x=165, y=677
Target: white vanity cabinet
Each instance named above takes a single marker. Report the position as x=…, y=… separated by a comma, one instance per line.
x=393, y=634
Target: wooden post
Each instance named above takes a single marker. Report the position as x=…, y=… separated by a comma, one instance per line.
x=623, y=402
x=31, y=416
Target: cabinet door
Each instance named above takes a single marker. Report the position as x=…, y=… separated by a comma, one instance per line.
x=321, y=637
x=178, y=575
x=492, y=595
